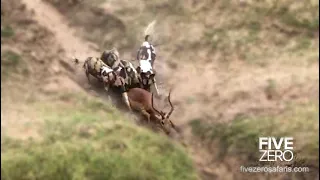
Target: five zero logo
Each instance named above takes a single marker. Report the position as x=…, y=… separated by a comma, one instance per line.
x=270, y=148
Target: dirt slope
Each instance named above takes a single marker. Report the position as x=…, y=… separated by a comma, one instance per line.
x=223, y=59
x=204, y=87
x=33, y=69
x=50, y=18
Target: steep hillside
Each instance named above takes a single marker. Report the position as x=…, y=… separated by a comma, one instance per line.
x=51, y=128
x=239, y=69
x=227, y=60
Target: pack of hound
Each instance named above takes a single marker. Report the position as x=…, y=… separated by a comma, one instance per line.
x=133, y=83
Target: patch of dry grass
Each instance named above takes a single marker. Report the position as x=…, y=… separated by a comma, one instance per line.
x=86, y=138
x=239, y=138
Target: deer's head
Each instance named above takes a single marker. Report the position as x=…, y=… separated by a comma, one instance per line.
x=164, y=119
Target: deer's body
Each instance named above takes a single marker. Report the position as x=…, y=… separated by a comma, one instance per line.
x=142, y=100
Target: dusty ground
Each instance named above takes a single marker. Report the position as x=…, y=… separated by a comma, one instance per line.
x=207, y=84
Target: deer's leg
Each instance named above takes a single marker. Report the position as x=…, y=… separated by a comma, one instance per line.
x=146, y=114
x=126, y=100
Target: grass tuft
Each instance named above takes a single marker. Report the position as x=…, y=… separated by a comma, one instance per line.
x=81, y=142
x=7, y=32
x=240, y=137
x=10, y=58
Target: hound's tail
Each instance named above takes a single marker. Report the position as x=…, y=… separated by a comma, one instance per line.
x=149, y=30
x=76, y=61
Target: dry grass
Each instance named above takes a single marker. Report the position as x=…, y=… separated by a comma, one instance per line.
x=52, y=129
x=82, y=137
x=239, y=139
x=224, y=59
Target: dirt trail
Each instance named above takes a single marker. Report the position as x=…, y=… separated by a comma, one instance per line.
x=236, y=76
x=235, y=90
x=50, y=18
x=17, y=115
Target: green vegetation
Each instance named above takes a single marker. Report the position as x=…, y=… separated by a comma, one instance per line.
x=81, y=141
x=12, y=64
x=270, y=90
x=7, y=31
x=9, y=62
x=10, y=58
x=240, y=137
x=252, y=32
x=85, y=138
x=257, y=32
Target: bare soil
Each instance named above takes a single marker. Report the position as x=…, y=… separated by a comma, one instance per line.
x=203, y=88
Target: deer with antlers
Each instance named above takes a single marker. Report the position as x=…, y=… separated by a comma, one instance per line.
x=141, y=100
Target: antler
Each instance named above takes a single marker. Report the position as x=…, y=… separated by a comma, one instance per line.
x=172, y=108
x=154, y=107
